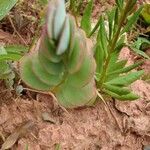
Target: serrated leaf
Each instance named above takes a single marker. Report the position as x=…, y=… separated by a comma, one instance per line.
x=126, y=79
x=132, y=20
x=129, y=96
x=5, y=7
x=86, y=19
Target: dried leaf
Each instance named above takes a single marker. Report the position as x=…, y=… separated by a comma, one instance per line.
x=19, y=132
x=47, y=117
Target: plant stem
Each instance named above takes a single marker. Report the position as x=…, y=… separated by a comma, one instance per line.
x=112, y=44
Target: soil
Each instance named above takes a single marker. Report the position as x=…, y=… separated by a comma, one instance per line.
x=116, y=126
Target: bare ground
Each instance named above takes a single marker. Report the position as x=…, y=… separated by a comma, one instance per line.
x=119, y=126
x=93, y=128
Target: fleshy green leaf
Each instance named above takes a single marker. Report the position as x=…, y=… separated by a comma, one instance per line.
x=59, y=18
x=43, y=75
x=29, y=77
x=50, y=67
x=78, y=54
x=84, y=75
x=69, y=96
x=63, y=43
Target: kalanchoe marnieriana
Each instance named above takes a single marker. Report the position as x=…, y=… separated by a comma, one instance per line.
x=64, y=63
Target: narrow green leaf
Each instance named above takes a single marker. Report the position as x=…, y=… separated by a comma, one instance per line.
x=102, y=37
x=119, y=4
x=5, y=7
x=117, y=89
x=126, y=69
x=116, y=19
x=140, y=52
x=16, y=49
x=111, y=17
x=86, y=19
x=126, y=79
x=132, y=20
x=95, y=28
x=131, y=6
x=120, y=43
x=129, y=96
x=99, y=57
x=116, y=66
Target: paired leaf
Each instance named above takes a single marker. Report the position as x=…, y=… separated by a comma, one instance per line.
x=63, y=64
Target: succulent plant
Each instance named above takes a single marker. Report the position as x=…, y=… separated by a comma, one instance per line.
x=64, y=63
